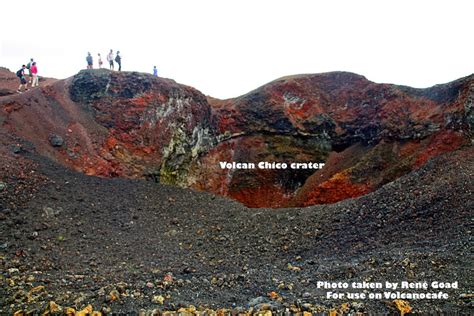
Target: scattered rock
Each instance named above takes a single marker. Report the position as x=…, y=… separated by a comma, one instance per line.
x=56, y=140
x=168, y=277
x=293, y=268
x=16, y=148
x=158, y=299
x=87, y=311
x=256, y=301
x=54, y=308
x=402, y=306
x=35, y=293
x=51, y=212
x=121, y=287
x=189, y=270
x=82, y=297
x=113, y=296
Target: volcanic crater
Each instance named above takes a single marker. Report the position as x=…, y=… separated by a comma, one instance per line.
x=113, y=198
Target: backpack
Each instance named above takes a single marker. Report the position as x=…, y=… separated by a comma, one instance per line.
x=19, y=73
x=117, y=59
x=28, y=66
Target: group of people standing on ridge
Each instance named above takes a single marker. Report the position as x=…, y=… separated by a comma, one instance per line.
x=33, y=69
x=32, y=73
x=110, y=59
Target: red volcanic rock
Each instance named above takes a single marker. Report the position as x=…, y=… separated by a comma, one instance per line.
x=132, y=124
x=361, y=169
x=331, y=113
x=338, y=187
x=440, y=143
x=257, y=187
x=115, y=124
x=344, y=107
x=155, y=125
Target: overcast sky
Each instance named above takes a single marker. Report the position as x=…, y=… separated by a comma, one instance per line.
x=227, y=48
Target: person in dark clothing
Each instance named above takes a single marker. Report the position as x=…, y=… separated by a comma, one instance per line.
x=23, y=83
x=118, y=60
x=89, y=61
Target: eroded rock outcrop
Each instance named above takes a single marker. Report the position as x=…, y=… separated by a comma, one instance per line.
x=161, y=125
x=131, y=124
x=117, y=124
x=368, y=134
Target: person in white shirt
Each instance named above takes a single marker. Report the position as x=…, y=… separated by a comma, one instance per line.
x=99, y=60
x=110, y=59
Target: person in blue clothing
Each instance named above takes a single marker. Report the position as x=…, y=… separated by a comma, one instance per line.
x=155, y=71
x=89, y=61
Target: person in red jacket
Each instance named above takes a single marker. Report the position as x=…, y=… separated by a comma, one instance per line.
x=34, y=72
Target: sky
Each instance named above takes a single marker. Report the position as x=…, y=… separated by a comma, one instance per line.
x=227, y=48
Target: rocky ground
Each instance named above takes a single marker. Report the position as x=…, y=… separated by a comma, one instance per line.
x=121, y=245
